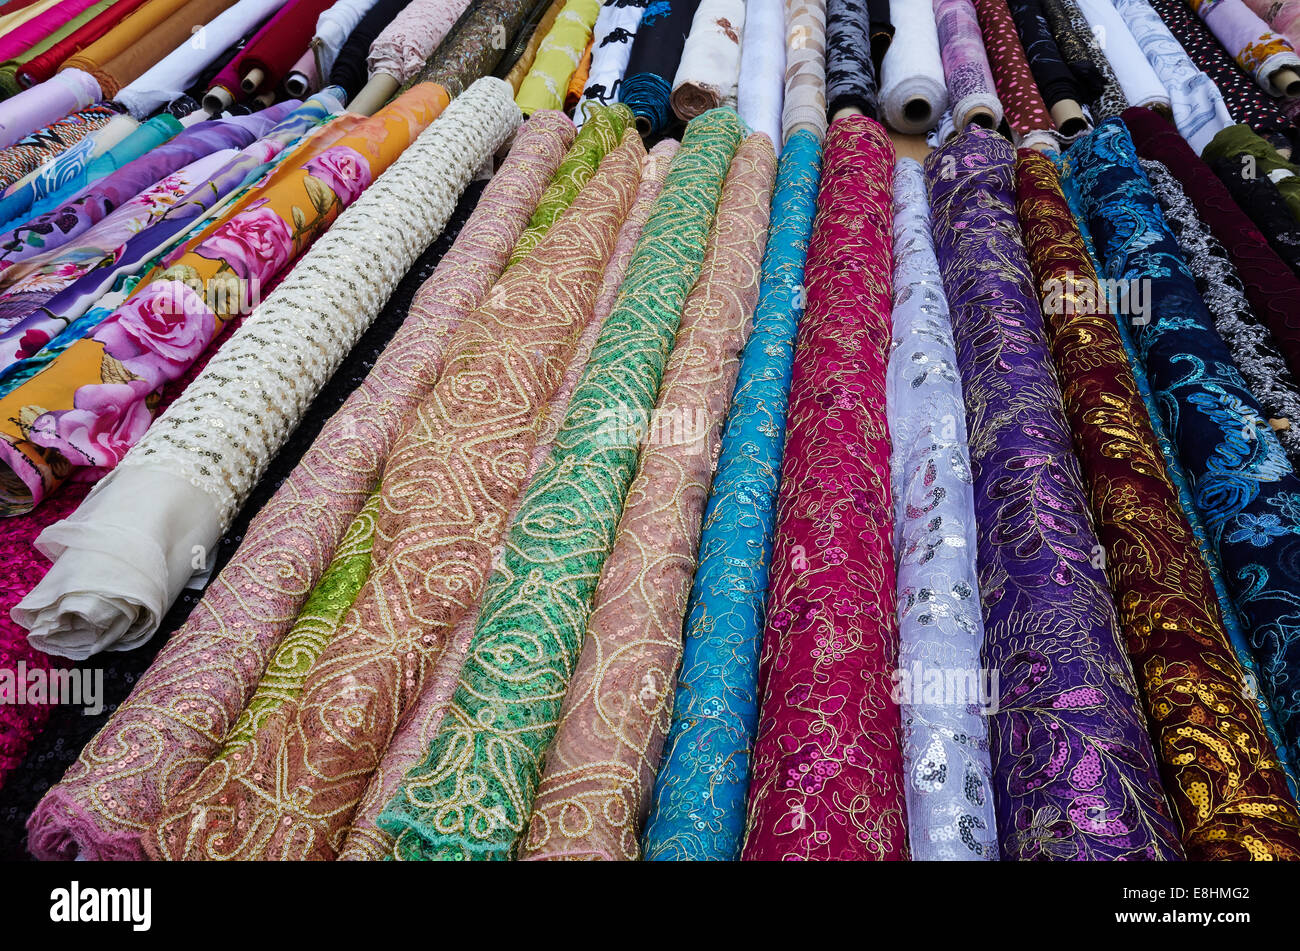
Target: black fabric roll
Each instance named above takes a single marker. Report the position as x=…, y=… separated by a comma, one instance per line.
x=882, y=30
x=850, y=73
x=652, y=63
x=182, y=106
x=1052, y=75
x=68, y=729
x=350, y=70
x=1256, y=195
x=1074, y=48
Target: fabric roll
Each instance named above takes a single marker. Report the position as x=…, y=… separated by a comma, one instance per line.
x=611, y=45
x=598, y=137
x=1240, y=145
x=594, y=792
x=365, y=841
x=1265, y=205
x=473, y=48
x=850, y=73
x=181, y=68
x=948, y=776
x=578, y=81
x=1083, y=54
x=1246, y=101
x=142, y=40
x=54, y=323
x=350, y=69
x=828, y=730
x=32, y=151
x=1271, y=288
x=10, y=84
x=42, y=66
x=1256, y=48
x=274, y=48
x=1075, y=775
x=557, y=57
x=540, y=592
x=708, y=75
x=406, y=43
x=653, y=61
x=68, y=729
x=27, y=34
x=304, y=78
x=1026, y=112
x=1052, y=74
x=1280, y=15
x=58, y=176
x=513, y=69
x=971, y=90
x=804, y=106
x=1198, y=107
x=333, y=27
x=388, y=639
x=76, y=817
x=1228, y=792
x=52, y=230
x=22, y=115
x=913, y=95
x=1242, y=480
x=698, y=811
x=1263, y=368
x=760, y=89
x=1137, y=77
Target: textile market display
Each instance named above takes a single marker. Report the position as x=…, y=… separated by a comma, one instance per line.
x=708, y=75
x=611, y=45
x=761, y=86
x=912, y=92
x=1240, y=145
x=1258, y=50
x=1137, y=77
x=350, y=69
x=850, y=73
x=548, y=80
x=1074, y=772
x=1022, y=104
x=828, y=730
x=462, y=805
x=401, y=50
x=805, y=68
x=1061, y=90
x=1083, y=54
x=653, y=61
x=470, y=50
x=972, y=94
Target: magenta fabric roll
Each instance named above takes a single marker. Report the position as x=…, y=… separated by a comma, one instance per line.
x=24, y=36
x=828, y=766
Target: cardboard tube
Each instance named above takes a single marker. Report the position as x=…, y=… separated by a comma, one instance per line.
x=1069, y=118
x=296, y=85
x=981, y=116
x=1280, y=424
x=1287, y=81
x=266, y=99
x=847, y=111
x=252, y=80
x=917, y=109
x=218, y=100
x=374, y=94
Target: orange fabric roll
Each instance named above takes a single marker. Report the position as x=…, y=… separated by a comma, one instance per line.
x=578, y=82
x=135, y=30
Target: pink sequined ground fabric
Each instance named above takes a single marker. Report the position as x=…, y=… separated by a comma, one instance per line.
x=411, y=741
x=157, y=742
x=827, y=778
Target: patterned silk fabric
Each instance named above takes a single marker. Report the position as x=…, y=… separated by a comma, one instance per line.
x=366, y=841
x=32, y=151
x=850, y=74
x=446, y=490
x=945, y=739
x=595, y=790
x=1074, y=770
x=699, y=798
x=1244, y=487
x=471, y=796
x=599, y=135
x=156, y=743
x=1017, y=91
x=828, y=763
x=1219, y=767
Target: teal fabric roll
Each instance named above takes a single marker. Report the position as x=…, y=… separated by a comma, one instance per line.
x=698, y=811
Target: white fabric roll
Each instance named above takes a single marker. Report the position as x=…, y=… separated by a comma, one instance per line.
x=126, y=553
x=761, y=90
x=710, y=66
x=610, y=48
x=912, y=72
x=178, y=70
x=1141, y=85
x=332, y=31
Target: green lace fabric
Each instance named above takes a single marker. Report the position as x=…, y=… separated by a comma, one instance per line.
x=471, y=796
x=317, y=621
x=599, y=135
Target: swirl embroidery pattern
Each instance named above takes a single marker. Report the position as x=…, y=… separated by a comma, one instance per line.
x=1074, y=771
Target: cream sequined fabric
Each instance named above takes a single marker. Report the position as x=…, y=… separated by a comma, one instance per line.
x=217, y=439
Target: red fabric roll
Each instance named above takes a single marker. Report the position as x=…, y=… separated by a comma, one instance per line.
x=275, y=48
x=41, y=68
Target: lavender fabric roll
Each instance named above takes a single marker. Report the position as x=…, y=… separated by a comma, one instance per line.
x=1074, y=772
x=966, y=70
x=37, y=107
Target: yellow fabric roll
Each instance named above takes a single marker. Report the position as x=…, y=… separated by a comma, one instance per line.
x=558, y=57
x=525, y=62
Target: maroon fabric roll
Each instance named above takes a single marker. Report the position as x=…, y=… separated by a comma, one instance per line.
x=279, y=44
x=41, y=68
x=1271, y=287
